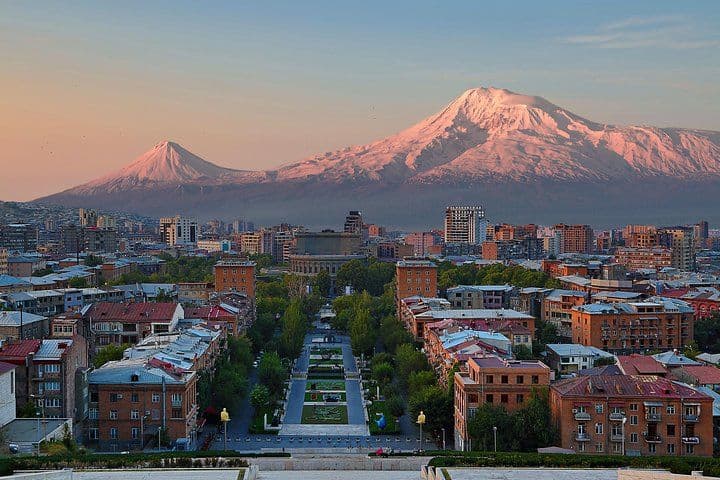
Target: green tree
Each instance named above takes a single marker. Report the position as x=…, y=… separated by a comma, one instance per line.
x=77, y=282
x=393, y=333
x=93, y=260
x=707, y=333
x=408, y=360
x=436, y=404
x=163, y=296
x=382, y=373
x=362, y=332
x=395, y=405
x=260, y=396
x=28, y=410
x=322, y=283
x=480, y=428
x=421, y=380
x=230, y=384
x=522, y=352
x=271, y=373
x=240, y=352
x=533, y=425
x=602, y=361
x=294, y=327
x=109, y=353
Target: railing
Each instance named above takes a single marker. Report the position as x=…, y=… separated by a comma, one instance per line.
x=653, y=438
x=617, y=417
x=582, y=416
x=582, y=437
x=616, y=437
x=653, y=417
x=176, y=403
x=690, y=418
x=691, y=440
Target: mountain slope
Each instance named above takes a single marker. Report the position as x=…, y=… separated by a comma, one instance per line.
x=521, y=156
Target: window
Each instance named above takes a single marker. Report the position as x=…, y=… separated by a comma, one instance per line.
x=488, y=379
x=652, y=448
x=599, y=428
x=504, y=379
x=176, y=398
x=113, y=397
x=155, y=398
x=670, y=409
x=52, y=368
x=176, y=413
x=52, y=386
x=113, y=433
x=520, y=398
x=519, y=379
x=135, y=433
x=134, y=415
x=52, y=402
x=633, y=407
x=599, y=447
x=113, y=415
x=670, y=448
x=93, y=414
x=689, y=448
x=504, y=398
x=581, y=447
x=535, y=379
x=633, y=420
x=93, y=434
x=599, y=408
x=489, y=398
x=135, y=398
x=671, y=430
x=633, y=438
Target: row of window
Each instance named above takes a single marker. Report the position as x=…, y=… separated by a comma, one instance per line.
x=669, y=409
x=519, y=379
x=175, y=413
x=135, y=397
x=652, y=447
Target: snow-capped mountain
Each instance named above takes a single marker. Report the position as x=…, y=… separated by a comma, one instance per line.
x=487, y=146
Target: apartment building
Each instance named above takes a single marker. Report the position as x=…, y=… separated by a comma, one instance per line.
x=178, y=230
x=4, y=261
x=465, y=224
x=19, y=325
x=497, y=381
x=657, y=323
x=634, y=259
x=557, y=307
x=574, y=238
x=235, y=276
x=415, y=277
x=570, y=358
x=632, y=415
x=480, y=296
x=681, y=243
x=132, y=401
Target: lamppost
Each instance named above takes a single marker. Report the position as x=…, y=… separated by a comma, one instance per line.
x=443, y=430
x=624, y=420
x=225, y=418
x=495, y=438
x=38, y=431
x=40, y=414
x=421, y=422
x=142, y=430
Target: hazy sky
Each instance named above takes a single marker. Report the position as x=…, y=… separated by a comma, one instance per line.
x=85, y=87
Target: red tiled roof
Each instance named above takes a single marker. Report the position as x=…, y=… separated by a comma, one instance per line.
x=208, y=312
x=637, y=364
x=132, y=312
x=19, y=349
x=625, y=386
x=703, y=374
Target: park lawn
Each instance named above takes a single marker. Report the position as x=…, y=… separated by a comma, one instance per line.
x=331, y=350
x=322, y=361
x=325, y=414
x=392, y=427
x=319, y=396
x=256, y=425
x=324, y=384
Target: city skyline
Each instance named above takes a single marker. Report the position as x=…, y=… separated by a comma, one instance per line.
x=253, y=87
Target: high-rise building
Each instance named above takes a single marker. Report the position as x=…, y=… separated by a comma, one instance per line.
x=680, y=241
x=88, y=217
x=354, y=223
x=72, y=240
x=574, y=238
x=18, y=236
x=178, y=230
x=106, y=221
x=465, y=224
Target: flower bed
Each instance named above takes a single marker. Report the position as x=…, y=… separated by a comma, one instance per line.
x=319, y=396
x=325, y=385
x=325, y=414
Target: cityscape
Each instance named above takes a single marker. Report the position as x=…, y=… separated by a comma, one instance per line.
x=470, y=282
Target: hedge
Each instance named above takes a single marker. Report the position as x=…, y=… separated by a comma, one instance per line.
x=680, y=465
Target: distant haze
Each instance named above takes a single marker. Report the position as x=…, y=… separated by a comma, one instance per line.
x=88, y=86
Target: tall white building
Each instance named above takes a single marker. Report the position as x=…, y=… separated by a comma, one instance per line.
x=7, y=393
x=465, y=224
x=178, y=230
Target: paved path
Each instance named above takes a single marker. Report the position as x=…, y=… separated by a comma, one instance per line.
x=533, y=473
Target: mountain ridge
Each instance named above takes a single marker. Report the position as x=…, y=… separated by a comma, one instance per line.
x=483, y=138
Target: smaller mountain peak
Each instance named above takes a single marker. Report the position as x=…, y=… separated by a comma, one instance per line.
x=166, y=144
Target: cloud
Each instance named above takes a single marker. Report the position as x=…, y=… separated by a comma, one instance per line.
x=676, y=32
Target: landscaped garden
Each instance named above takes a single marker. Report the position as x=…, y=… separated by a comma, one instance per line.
x=325, y=414
x=327, y=396
x=325, y=385
x=326, y=371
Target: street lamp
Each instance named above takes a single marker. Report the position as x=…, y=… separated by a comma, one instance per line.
x=421, y=422
x=443, y=430
x=624, y=420
x=142, y=429
x=495, y=437
x=38, y=431
x=225, y=418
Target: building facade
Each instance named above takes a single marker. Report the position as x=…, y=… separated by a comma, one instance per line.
x=465, y=224
x=178, y=230
x=235, y=275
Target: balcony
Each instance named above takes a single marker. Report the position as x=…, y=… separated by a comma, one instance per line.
x=690, y=418
x=582, y=417
x=691, y=440
x=617, y=437
x=176, y=403
x=653, y=438
x=617, y=417
x=653, y=417
x=582, y=437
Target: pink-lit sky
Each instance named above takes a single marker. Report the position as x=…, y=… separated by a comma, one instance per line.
x=87, y=87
